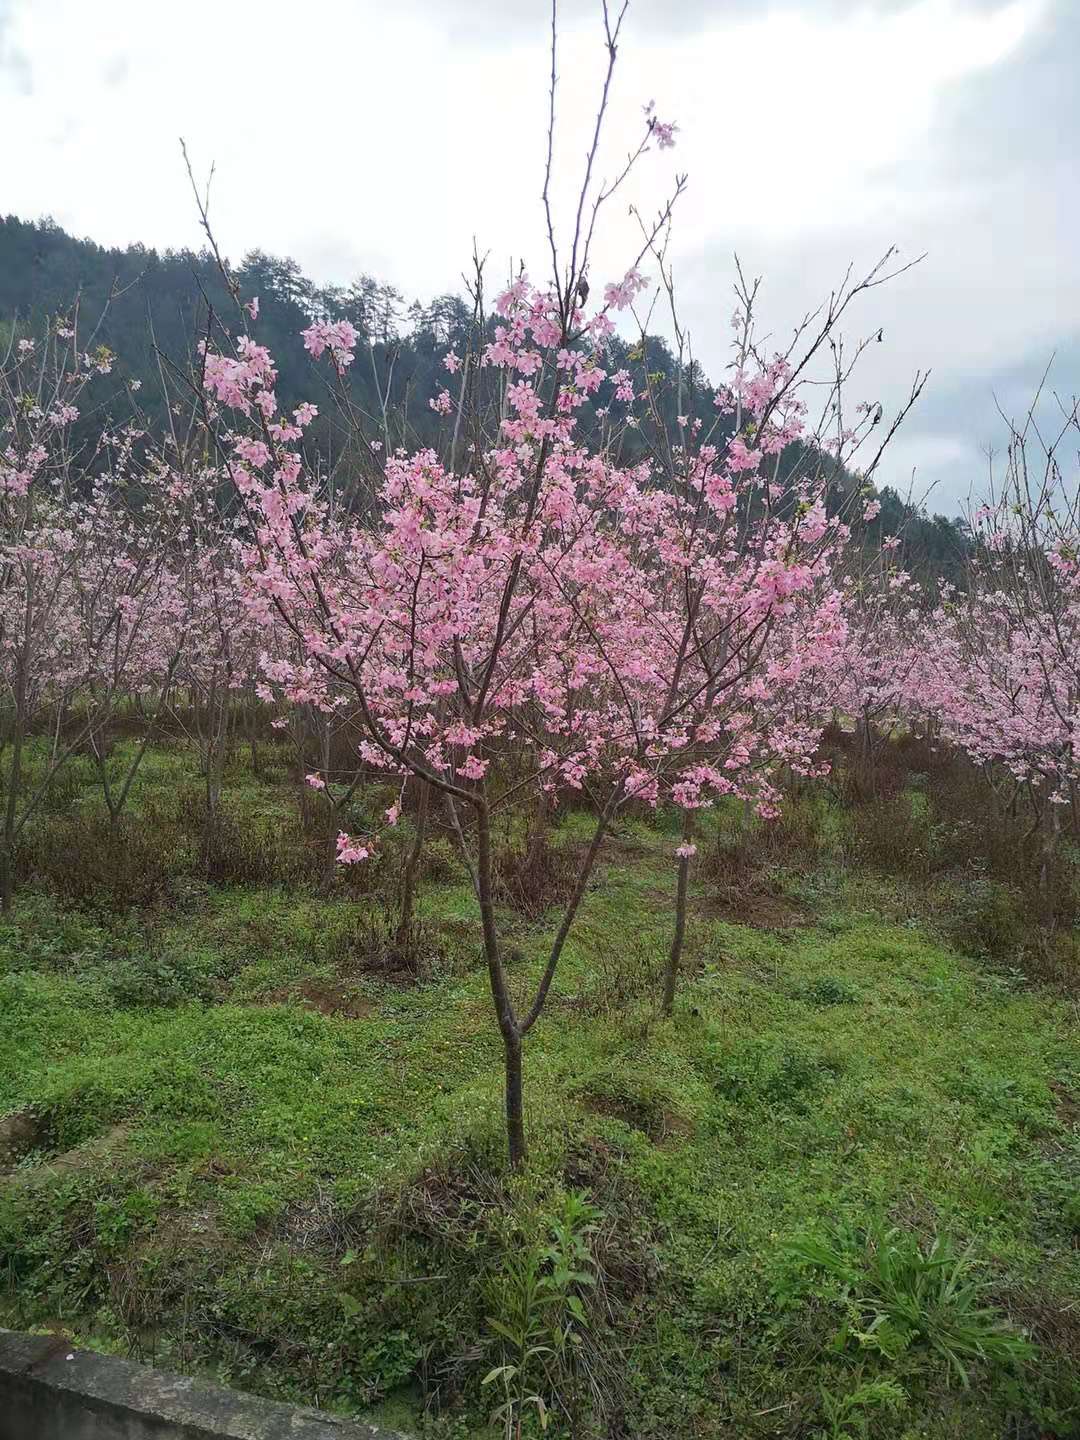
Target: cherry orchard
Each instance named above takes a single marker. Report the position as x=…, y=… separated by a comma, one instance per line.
x=78, y=573
x=1002, y=666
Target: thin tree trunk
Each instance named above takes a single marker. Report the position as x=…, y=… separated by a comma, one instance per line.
x=56, y=734
x=1051, y=829
x=6, y=879
x=500, y=994
x=7, y=858
x=7, y=854
x=253, y=742
x=511, y=1028
x=671, y=974
x=412, y=868
x=515, y=1120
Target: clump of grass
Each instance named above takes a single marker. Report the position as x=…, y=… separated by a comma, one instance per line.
x=827, y=990
x=899, y=1294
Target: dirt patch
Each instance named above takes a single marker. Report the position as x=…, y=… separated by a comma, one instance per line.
x=99, y=1148
x=620, y=843
x=315, y=1224
x=1066, y=1104
x=19, y=1133
x=660, y=1125
x=162, y=1272
x=752, y=907
x=1052, y=1321
x=69, y=1161
x=450, y=1203
x=328, y=997
x=215, y=1168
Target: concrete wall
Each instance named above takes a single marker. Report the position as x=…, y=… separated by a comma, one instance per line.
x=48, y=1391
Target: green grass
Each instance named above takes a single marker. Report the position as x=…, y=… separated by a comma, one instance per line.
x=315, y=1204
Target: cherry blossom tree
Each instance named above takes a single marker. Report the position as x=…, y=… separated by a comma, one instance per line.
x=1003, y=663
x=43, y=382
x=635, y=633
x=750, y=591
x=126, y=604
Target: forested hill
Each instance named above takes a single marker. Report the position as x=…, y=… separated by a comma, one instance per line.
x=152, y=303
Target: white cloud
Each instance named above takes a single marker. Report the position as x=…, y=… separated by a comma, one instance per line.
x=359, y=135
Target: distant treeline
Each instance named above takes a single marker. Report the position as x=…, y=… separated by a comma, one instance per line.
x=151, y=308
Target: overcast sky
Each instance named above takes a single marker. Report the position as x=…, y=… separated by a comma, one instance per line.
x=382, y=135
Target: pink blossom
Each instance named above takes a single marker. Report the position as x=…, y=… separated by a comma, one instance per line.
x=349, y=852
x=339, y=337
x=624, y=386
x=619, y=295
x=663, y=131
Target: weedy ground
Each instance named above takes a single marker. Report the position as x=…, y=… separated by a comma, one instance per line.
x=835, y=1195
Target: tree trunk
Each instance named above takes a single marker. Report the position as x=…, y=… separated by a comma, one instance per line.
x=6, y=879
x=867, y=779
x=330, y=868
x=671, y=974
x=513, y=1029
x=11, y=802
x=515, y=1122
x=1051, y=829
x=500, y=993
x=412, y=868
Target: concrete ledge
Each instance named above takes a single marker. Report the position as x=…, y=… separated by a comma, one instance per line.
x=50, y=1391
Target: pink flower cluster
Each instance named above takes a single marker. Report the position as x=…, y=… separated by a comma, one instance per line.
x=338, y=336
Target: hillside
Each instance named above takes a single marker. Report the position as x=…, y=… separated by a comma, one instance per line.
x=152, y=308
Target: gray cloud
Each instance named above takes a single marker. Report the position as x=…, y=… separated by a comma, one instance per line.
x=993, y=197
x=1008, y=137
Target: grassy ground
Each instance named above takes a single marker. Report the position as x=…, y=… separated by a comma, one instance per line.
x=836, y=1194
